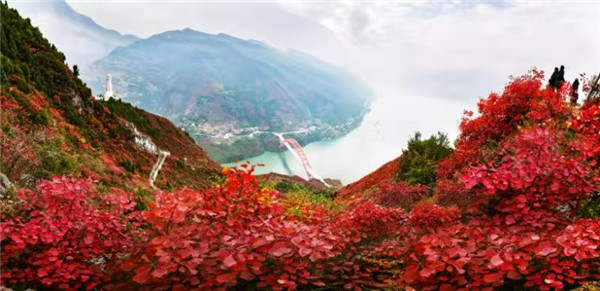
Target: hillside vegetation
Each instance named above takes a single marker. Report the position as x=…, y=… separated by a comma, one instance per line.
x=51, y=125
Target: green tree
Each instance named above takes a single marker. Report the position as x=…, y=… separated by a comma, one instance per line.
x=419, y=161
x=76, y=70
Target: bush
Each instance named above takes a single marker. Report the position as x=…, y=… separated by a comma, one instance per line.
x=419, y=162
x=401, y=194
x=590, y=207
x=521, y=171
x=41, y=117
x=64, y=235
x=232, y=235
x=128, y=165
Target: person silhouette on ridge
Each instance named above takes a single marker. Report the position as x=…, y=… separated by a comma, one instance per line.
x=553, y=79
x=574, y=92
x=561, y=77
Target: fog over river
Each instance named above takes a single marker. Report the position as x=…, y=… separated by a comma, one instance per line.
x=379, y=139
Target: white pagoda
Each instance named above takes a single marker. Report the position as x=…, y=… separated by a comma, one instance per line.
x=108, y=91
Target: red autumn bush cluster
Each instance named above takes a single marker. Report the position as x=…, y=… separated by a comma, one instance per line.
x=452, y=192
x=503, y=214
x=64, y=235
x=524, y=102
x=235, y=234
x=239, y=235
x=400, y=194
x=425, y=215
x=526, y=171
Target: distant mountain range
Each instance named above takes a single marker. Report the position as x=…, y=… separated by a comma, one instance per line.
x=229, y=93
x=80, y=38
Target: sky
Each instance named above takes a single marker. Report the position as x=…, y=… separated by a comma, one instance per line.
x=457, y=51
x=426, y=61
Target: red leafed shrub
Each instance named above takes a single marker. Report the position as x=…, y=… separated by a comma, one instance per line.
x=541, y=165
x=522, y=102
x=588, y=123
x=65, y=235
x=368, y=221
x=233, y=235
x=452, y=192
x=426, y=215
x=401, y=194
x=523, y=172
x=17, y=153
x=489, y=253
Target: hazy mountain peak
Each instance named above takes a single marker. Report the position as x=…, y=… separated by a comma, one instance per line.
x=226, y=91
x=80, y=38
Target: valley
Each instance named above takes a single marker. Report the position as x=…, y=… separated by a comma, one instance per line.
x=224, y=90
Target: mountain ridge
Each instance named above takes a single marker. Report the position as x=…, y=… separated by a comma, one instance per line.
x=78, y=36
x=218, y=86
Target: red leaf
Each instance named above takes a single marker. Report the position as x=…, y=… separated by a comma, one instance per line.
x=279, y=249
x=226, y=278
x=426, y=272
x=496, y=261
x=229, y=261
x=159, y=273
x=142, y=274
x=493, y=278
x=546, y=251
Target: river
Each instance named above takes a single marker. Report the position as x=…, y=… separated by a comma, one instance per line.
x=379, y=139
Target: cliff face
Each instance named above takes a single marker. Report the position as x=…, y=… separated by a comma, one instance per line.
x=51, y=125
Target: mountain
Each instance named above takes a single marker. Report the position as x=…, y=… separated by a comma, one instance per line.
x=230, y=94
x=78, y=36
x=52, y=125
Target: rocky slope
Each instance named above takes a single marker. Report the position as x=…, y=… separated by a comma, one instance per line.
x=51, y=124
x=230, y=94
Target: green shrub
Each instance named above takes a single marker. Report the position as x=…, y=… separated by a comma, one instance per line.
x=128, y=165
x=41, y=117
x=296, y=192
x=419, y=162
x=590, y=208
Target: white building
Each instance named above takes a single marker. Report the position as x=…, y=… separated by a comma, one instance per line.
x=108, y=90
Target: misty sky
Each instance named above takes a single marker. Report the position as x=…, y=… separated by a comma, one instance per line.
x=426, y=61
x=416, y=44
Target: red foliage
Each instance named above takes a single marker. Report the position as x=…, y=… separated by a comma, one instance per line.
x=523, y=101
x=369, y=221
x=541, y=167
x=425, y=215
x=453, y=192
x=234, y=234
x=354, y=193
x=524, y=173
x=400, y=194
x=588, y=123
x=519, y=172
x=17, y=153
x=65, y=235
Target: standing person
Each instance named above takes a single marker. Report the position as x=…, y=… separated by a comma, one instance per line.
x=561, y=77
x=575, y=92
x=553, y=78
